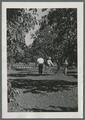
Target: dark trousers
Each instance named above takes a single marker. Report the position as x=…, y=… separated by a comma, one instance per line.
x=40, y=68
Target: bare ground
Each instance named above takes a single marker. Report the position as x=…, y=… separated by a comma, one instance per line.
x=50, y=92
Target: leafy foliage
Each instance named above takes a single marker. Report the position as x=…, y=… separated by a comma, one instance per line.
x=58, y=37
x=19, y=22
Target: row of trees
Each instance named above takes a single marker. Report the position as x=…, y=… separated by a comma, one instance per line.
x=56, y=37
x=19, y=22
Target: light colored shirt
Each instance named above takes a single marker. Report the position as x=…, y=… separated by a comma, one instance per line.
x=49, y=62
x=40, y=60
x=66, y=62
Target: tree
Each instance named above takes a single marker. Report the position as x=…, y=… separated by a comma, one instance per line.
x=19, y=22
x=57, y=36
x=64, y=22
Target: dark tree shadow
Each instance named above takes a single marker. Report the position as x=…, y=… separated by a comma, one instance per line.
x=26, y=74
x=39, y=86
x=52, y=109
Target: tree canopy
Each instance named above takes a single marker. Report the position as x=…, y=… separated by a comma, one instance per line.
x=19, y=22
x=56, y=36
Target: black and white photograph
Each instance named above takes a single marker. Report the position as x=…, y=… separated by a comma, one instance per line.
x=42, y=60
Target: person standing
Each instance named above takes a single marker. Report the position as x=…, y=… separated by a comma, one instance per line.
x=66, y=67
x=49, y=62
x=40, y=62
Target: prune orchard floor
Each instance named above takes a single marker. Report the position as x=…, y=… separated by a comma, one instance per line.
x=50, y=92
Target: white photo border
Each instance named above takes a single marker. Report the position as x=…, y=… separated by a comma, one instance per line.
x=79, y=6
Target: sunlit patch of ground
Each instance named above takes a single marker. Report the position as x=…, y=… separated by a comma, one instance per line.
x=43, y=93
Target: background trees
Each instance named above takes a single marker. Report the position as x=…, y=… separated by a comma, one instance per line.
x=56, y=36
x=19, y=22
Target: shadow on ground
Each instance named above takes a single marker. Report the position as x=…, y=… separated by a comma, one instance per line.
x=44, y=89
x=37, y=86
x=56, y=109
x=26, y=74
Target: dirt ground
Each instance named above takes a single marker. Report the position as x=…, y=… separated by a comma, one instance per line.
x=50, y=92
